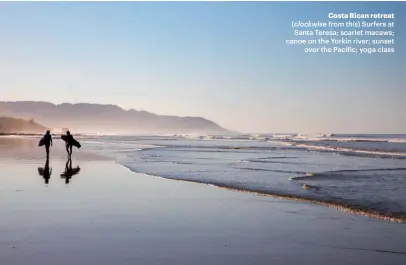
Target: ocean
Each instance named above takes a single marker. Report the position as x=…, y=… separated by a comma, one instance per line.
x=361, y=173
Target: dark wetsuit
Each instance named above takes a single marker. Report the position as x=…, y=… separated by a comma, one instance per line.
x=48, y=143
x=69, y=144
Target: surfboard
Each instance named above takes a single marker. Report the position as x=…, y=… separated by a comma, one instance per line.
x=73, y=141
x=42, y=141
x=72, y=172
x=41, y=171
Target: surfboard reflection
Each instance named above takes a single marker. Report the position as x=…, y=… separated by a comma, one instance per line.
x=45, y=171
x=69, y=171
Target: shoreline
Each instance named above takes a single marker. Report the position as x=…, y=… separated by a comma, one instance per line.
x=60, y=153
x=108, y=214
x=348, y=209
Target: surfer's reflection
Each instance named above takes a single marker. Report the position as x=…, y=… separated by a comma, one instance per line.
x=45, y=171
x=69, y=171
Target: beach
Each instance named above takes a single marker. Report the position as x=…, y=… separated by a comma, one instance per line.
x=107, y=214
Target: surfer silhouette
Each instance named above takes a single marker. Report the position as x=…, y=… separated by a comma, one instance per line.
x=68, y=144
x=69, y=171
x=45, y=171
x=47, y=141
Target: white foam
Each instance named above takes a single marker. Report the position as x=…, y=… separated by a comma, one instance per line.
x=336, y=149
x=400, y=140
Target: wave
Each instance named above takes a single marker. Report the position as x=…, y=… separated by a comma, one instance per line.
x=220, y=148
x=370, y=250
x=397, y=140
x=328, y=174
x=313, y=135
x=277, y=157
x=351, y=151
x=270, y=162
x=218, y=171
x=240, y=137
x=376, y=136
x=273, y=170
x=362, y=140
x=337, y=204
x=389, y=138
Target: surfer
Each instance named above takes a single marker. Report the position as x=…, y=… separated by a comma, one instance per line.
x=69, y=143
x=48, y=142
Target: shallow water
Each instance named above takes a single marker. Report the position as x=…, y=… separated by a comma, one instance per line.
x=106, y=215
x=363, y=182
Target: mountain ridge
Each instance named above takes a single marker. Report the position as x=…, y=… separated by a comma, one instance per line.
x=91, y=117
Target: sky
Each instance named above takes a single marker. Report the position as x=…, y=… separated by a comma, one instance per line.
x=225, y=61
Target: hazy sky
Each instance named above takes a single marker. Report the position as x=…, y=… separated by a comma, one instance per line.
x=225, y=61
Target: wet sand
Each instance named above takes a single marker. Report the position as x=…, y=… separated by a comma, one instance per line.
x=108, y=215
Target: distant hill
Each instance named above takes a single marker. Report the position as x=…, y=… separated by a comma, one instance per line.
x=12, y=125
x=91, y=118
